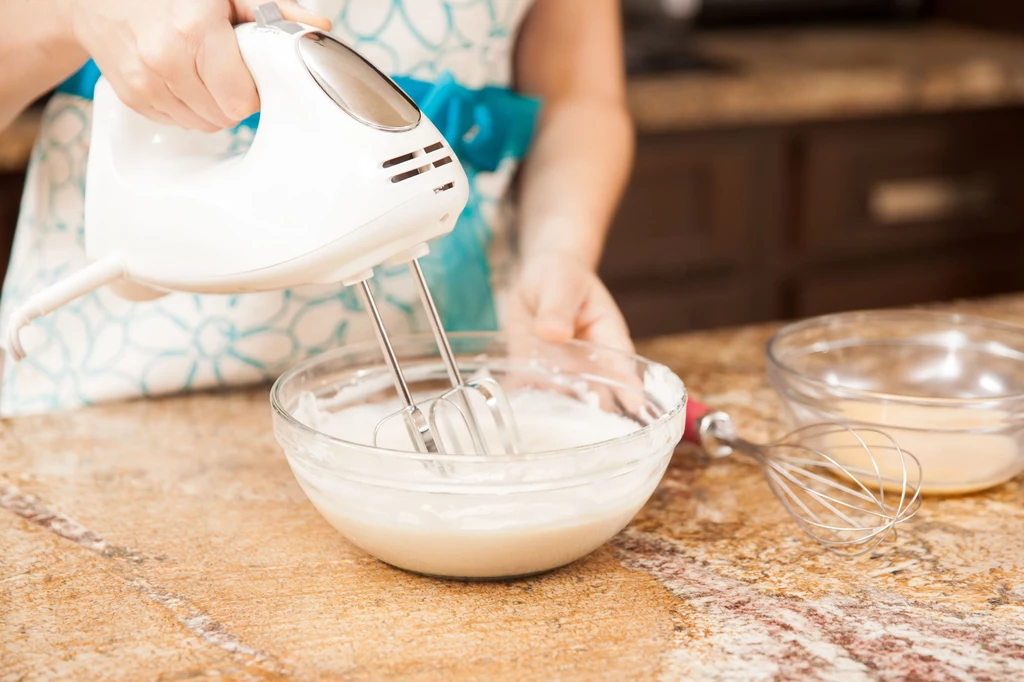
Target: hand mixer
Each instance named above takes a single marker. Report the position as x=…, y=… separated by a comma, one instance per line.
x=344, y=173
x=826, y=476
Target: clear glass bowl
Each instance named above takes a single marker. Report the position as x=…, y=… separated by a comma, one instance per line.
x=473, y=516
x=948, y=388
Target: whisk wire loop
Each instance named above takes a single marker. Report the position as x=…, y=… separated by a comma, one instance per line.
x=819, y=475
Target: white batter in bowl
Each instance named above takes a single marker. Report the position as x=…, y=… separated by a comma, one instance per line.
x=598, y=429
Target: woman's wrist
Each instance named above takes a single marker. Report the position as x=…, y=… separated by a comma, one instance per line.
x=564, y=239
x=558, y=254
x=59, y=36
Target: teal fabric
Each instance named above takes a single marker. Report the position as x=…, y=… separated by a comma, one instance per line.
x=484, y=126
x=83, y=83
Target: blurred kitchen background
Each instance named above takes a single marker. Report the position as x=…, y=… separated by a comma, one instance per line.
x=798, y=157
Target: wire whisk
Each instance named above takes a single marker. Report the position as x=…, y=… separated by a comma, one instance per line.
x=847, y=488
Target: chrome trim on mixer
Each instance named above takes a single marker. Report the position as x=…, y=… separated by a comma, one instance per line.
x=356, y=86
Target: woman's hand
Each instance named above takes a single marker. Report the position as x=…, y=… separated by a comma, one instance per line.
x=557, y=297
x=176, y=61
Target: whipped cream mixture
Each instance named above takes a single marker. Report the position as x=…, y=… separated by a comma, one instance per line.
x=486, y=517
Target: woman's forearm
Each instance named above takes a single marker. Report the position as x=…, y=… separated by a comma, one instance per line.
x=37, y=51
x=573, y=178
x=570, y=55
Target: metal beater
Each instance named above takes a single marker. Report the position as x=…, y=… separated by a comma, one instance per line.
x=450, y=423
x=845, y=507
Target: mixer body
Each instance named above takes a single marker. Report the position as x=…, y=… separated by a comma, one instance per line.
x=343, y=173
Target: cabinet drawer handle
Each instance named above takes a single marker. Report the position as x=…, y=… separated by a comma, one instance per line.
x=929, y=199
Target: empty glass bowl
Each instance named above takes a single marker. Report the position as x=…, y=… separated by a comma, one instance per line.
x=479, y=516
x=948, y=388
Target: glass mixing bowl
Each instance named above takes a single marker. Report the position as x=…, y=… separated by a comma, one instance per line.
x=478, y=516
x=948, y=388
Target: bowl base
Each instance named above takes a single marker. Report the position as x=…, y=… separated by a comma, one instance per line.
x=485, y=579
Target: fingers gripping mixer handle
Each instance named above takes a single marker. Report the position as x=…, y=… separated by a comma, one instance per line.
x=268, y=50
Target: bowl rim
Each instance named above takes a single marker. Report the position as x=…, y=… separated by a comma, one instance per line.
x=894, y=314
x=279, y=409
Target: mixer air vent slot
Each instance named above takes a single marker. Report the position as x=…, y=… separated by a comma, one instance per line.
x=411, y=173
x=405, y=158
x=401, y=159
x=444, y=188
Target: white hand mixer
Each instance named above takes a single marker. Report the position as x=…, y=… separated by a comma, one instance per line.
x=344, y=173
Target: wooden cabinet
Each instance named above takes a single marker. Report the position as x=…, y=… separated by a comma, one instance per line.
x=869, y=189
x=695, y=205
x=731, y=227
x=982, y=270
x=11, y=185
x=691, y=304
x=687, y=248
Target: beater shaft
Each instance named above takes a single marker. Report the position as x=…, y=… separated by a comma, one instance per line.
x=366, y=294
x=416, y=423
x=434, y=320
x=447, y=355
x=444, y=421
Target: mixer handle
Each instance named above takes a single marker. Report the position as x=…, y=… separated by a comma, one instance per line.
x=281, y=54
x=127, y=134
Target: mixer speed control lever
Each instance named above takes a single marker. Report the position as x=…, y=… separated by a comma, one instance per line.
x=268, y=15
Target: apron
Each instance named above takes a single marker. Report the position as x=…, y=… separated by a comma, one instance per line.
x=453, y=57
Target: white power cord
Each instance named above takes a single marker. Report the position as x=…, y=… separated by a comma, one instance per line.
x=104, y=271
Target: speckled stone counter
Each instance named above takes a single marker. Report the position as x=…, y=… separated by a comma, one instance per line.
x=168, y=540
x=794, y=75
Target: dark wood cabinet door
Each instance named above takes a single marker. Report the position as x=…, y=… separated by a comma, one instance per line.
x=10, y=200
x=690, y=236
x=983, y=270
x=695, y=203
x=705, y=304
x=883, y=187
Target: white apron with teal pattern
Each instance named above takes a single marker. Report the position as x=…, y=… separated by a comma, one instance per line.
x=453, y=57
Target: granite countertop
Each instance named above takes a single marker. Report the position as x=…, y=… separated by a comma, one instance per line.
x=167, y=539
x=792, y=75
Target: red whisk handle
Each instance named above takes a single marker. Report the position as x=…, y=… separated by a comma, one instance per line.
x=695, y=411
